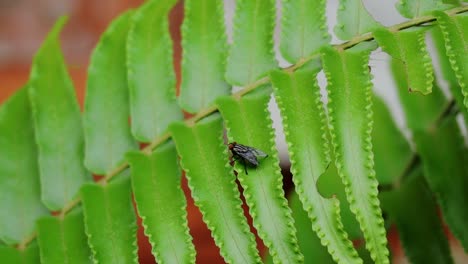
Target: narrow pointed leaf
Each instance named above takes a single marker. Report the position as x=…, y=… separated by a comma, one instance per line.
x=106, y=125
x=350, y=115
x=110, y=221
x=203, y=62
x=19, y=173
x=304, y=122
x=444, y=155
x=455, y=32
x=251, y=55
x=57, y=122
x=212, y=183
x=423, y=241
x=151, y=78
x=409, y=48
x=161, y=204
x=416, y=8
x=248, y=122
x=353, y=20
x=63, y=240
x=303, y=29
x=30, y=255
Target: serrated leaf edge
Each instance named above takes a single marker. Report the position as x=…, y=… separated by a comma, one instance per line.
x=205, y=214
x=306, y=203
x=279, y=198
x=380, y=253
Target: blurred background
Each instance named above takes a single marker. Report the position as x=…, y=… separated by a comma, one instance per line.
x=25, y=23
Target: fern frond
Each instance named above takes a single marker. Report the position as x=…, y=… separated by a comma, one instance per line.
x=110, y=221
x=304, y=122
x=205, y=161
x=248, y=122
x=156, y=181
x=251, y=54
x=409, y=48
x=350, y=121
x=63, y=240
x=151, y=78
x=107, y=133
x=455, y=33
x=204, y=55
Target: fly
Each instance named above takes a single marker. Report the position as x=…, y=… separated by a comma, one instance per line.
x=246, y=155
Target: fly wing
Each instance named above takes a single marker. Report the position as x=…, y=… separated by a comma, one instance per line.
x=259, y=153
x=247, y=153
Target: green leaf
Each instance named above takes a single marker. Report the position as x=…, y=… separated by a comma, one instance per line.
x=447, y=71
x=63, y=240
x=444, y=155
x=392, y=155
x=205, y=160
x=392, y=151
x=308, y=241
x=417, y=8
x=455, y=31
x=204, y=55
x=19, y=174
x=414, y=211
x=330, y=184
x=420, y=111
x=303, y=29
x=30, y=255
x=304, y=122
x=409, y=48
x=161, y=204
x=57, y=123
x=353, y=20
x=106, y=127
x=251, y=55
x=350, y=115
x=248, y=122
x=110, y=221
x=151, y=79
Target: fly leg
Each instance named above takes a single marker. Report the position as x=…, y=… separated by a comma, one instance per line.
x=245, y=167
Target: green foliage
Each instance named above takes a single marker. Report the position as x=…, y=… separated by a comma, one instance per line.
x=353, y=20
x=248, y=122
x=57, y=124
x=409, y=48
x=303, y=29
x=443, y=153
x=204, y=55
x=388, y=144
x=205, y=161
x=131, y=97
x=251, y=54
x=304, y=121
x=19, y=174
x=151, y=79
x=30, y=255
x=161, y=204
x=106, y=129
x=350, y=114
x=63, y=240
x=423, y=241
x=455, y=32
x=110, y=221
x=415, y=8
